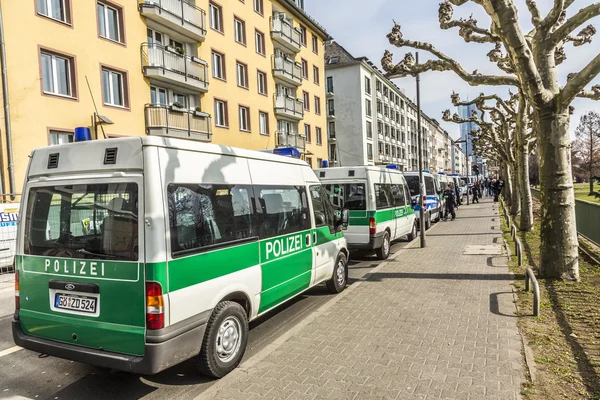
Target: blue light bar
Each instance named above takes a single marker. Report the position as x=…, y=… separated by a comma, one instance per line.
x=324, y=164
x=287, y=152
x=392, y=166
x=426, y=170
x=441, y=173
x=82, y=134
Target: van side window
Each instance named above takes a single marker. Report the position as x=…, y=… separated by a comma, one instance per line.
x=350, y=195
x=281, y=210
x=429, y=187
x=398, y=191
x=206, y=215
x=384, y=197
x=407, y=195
x=322, y=207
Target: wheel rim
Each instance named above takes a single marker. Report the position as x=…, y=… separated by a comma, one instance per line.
x=386, y=244
x=340, y=273
x=414, y=232
x=228, y=339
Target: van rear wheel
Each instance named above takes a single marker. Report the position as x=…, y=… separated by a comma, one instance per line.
x=384, y=251
x=339, y=278
x=413, y=233
x=224, y=341
x=428, y=221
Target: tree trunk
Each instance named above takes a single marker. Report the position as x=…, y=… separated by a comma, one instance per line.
x=515, y=200
x=559, y=245
x=507, y=190
x=526, y=224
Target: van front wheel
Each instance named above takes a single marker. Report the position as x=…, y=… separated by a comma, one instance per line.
x=384, y=251
x=339, y=278
x=225, y=340
x=413, y=233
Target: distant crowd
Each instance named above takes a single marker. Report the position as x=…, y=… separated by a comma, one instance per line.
x=489, y=187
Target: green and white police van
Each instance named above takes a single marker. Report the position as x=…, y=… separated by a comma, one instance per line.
x=139, y=253
x=379, y=202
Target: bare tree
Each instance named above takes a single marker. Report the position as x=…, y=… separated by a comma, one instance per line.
x=587, y=146
x=529, y=61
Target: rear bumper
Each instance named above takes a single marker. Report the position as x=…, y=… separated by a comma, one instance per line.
x=374, y=243
x=157, y=356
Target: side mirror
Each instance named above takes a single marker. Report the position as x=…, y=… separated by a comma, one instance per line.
x=414, y=203
x=342, y=218
x=319, y=219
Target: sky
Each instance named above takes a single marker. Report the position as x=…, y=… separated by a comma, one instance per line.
x=362, y=31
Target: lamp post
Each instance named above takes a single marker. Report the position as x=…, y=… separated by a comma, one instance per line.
x=422, y=204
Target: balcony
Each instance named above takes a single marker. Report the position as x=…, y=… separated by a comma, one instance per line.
x=181, y=16
x=291, y=139
x=165, y=64
x=287, y=70
x=331, y=136
x=177, y=123
x=330, y=112
x=283, y=32
x=287, y=106
x=329, y=90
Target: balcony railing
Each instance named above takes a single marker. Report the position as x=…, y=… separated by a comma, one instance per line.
x=290, y=106
x=180, y=123
x=166, y=63
x=287, y=69
x=282, y=29
x=182, y=16
x=291, y=139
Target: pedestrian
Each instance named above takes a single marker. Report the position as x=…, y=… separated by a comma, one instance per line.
x=476, y=193
x=450, y=196
x=498, y=185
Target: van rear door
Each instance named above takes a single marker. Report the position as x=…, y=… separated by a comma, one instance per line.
x=80, y=263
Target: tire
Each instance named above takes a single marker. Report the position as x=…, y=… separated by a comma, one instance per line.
x=413, y=233
x=439, y=215
x=339, y=277
x=428, y=221
x=384, y=251
x=228, y=323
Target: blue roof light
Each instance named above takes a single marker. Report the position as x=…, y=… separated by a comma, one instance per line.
x=82, y=134
x=426, y=170
x=392, y=166
x=287, y=152
x=324, y=164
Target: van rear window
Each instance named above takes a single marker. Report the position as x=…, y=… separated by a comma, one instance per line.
x=413, y=184
x=352, y=196
x=90, y=221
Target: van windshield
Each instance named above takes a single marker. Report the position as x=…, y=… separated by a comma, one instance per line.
x=91, y=221
x=413, y=184
x=352, y=196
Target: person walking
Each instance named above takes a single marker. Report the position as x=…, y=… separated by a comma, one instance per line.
x=450, y=196
x=476, y=192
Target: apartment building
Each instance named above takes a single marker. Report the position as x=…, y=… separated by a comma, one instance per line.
x=371, y=121
x=232, y=72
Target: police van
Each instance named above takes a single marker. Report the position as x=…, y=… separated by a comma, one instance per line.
x=138, y=253
x=433, y=205
x=379, y=204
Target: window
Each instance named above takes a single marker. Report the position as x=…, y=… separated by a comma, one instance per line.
x=317, y=105
x=218, y=65
x=303, y=35
x=262, y=82
x=57, y=137
x=244, y=115
x=380, y=147
x=307, y=134
x=369, y=130
x=330, y=107
x=202, y=217
x=258, y=6
x=113, y=88
x=221, y=117
x=352, y=196
x=304, y=69
x=322, y=207
x=385, y=91
x=378, y=85
x=319, y=162
x=379, y=107
x=315, y=44
x=180, y=47
x=309, y=161
x=316, y=75
x=158, y=96
x=333, y=60
x=331, y=129
x=387, y=130
x=386, y=111
x=242, y=75
x=154, y=38
x=281, y=210
x=239, y=27
x=306, y=100
x=368, y=107
x=216, y=17
x=259, y=38
x=367, y=85
x=263, y=123
x=110, y=22
x=329, y=84
x=380, y=128
x=55, y=9
x=399, y=192
x=369, y=151
x=58, y=74
x=319, y=136
x=384, y=197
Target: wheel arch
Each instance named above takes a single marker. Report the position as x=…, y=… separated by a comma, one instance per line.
x=242, y=299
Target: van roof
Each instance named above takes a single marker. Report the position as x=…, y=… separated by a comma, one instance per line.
x=124, y=154
x=360, y=172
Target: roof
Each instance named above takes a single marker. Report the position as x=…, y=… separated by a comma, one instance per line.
x=307, y=19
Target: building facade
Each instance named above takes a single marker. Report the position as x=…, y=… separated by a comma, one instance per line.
x=371, y=121
x=246, y=74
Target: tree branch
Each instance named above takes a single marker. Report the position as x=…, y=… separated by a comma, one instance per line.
x=585, y=14
x=480, y=100
x=576, y=84
x=554, y=15
x=593, y=94
x=469, y=30
x=536, y=16
x=444, y=63
x=583, y=37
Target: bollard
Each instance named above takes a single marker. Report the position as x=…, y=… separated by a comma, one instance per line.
x=519, y=250
x=513, y=231
x=536, y=291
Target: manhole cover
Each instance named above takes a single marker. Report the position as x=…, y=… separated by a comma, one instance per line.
x=488, y=250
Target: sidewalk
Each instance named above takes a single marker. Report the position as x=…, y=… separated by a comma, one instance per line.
x=431, y=324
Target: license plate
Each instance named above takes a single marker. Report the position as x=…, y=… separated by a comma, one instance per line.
x=75, y=302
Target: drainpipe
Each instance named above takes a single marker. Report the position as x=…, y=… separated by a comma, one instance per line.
x=9, y=149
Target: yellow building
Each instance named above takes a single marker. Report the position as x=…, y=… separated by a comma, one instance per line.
x=233, y=72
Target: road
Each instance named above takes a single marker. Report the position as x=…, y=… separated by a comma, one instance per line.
x=28, y=375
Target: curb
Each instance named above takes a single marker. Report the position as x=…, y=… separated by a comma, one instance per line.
x=244, y=368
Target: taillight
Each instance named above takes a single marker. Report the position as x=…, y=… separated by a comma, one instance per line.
x=155, y=311
x=424, y=202
x=17, y=293
x=372, y=226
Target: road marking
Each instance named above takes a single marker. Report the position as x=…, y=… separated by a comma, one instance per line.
x=10, y=351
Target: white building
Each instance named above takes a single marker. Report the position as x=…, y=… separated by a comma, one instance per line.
x=374, y=123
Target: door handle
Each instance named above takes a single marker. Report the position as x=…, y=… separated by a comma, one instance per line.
x=307, y=240
x=314, y=237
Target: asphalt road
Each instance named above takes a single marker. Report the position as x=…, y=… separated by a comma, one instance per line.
x=28, y=375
